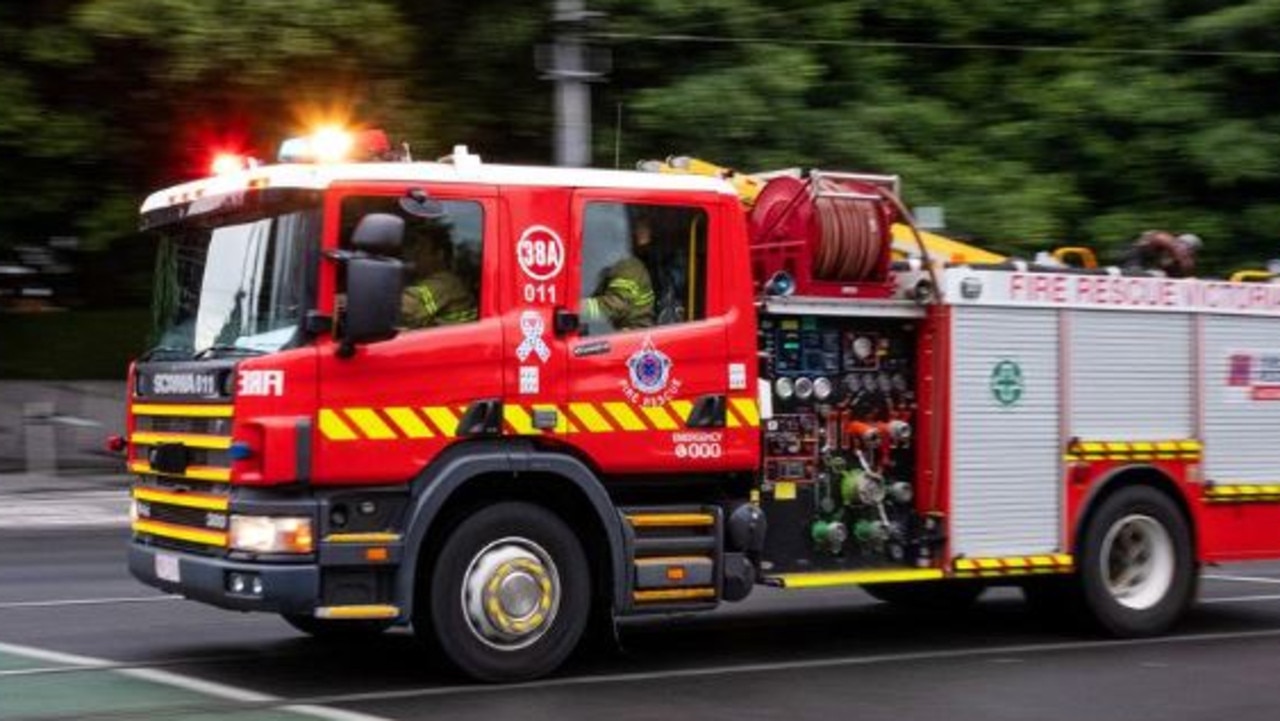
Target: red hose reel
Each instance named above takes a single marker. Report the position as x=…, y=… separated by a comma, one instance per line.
x=829, y=232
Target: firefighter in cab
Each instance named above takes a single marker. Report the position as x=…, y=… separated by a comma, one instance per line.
x=435, y=294
x=624, y=296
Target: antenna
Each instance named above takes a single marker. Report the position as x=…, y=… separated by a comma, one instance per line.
x=617, y=139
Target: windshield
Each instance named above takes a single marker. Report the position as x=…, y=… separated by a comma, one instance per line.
x=241, y=286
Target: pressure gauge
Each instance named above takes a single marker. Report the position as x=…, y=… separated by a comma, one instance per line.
x=822, y=388
x=863, y=347
x=784, y=388
x=804, y=389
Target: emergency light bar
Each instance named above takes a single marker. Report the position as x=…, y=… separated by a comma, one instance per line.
x=335, y=145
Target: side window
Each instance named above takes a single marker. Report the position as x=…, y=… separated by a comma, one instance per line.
x=642, y=266
x=442, y=246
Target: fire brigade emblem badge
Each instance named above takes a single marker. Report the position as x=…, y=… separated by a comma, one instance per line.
x=1006, y=383
x=650, y=368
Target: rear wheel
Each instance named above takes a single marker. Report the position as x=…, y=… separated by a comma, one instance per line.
x=1136, y=568
x=508, y=595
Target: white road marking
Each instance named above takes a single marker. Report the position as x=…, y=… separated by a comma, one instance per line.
x=168, y=678
x=783, y=666
x=87, y=601
x=1242, y=579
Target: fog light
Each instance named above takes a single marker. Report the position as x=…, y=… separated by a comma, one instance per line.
x=244, y=584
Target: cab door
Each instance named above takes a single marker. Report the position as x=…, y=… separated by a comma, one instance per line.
x=387, y=410
x=649, y=391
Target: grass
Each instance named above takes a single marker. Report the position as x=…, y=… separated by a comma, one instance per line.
x=71, y=344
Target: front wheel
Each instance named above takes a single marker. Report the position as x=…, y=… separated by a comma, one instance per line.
x=1136, y=567
x=509, y=593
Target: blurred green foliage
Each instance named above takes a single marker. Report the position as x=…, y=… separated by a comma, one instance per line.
x=1033, y=123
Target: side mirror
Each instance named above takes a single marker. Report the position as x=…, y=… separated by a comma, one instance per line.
x=374, y=285
x=378, y=233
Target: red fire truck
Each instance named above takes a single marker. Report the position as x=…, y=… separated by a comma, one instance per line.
x=787, y=405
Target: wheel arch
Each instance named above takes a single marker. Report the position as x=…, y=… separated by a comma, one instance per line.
x=1128, y=476
x=470, y=475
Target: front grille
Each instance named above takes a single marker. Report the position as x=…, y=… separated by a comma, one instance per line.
x=180, y=424
x=168, y=516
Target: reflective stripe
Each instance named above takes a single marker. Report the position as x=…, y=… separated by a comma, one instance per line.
x=746, y=407
x=370, y=423
x=191, y=440
x=152, y=409
x=443, y=419
x=519, y=420
x=409, y=423
x=1014, y=565
x=659, y=418
x=625, y=417
x=334, y=428
x=683, y=410
x=202, y=501
x=182, y=533
x=590, y=418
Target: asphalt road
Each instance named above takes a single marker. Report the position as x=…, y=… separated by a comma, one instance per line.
x=80, y=639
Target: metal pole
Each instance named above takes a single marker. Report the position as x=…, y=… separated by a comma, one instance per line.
x=573, y=95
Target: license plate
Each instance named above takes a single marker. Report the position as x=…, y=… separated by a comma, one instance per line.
x=167, y=568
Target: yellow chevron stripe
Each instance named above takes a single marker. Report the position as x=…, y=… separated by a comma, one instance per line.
x=625, y=417
x=590, y=418
x=370, y=423
x=660, y=418
x=683, y=410
x=408, y=422
x=730, y=418
x=746, y=408
x=334, y=428
x=152, y=409
x=519, y=419
x=444, y=419
x=202, y=501
x=1014, y=565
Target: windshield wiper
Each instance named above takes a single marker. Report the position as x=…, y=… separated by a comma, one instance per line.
x=167, y=350
x=218, y=349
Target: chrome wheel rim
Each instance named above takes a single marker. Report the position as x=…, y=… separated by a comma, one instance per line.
x=510, y=593
x=1137, y=561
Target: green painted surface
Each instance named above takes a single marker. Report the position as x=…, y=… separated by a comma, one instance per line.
x=74, y=693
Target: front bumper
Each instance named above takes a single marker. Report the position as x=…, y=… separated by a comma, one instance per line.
x=286, y=589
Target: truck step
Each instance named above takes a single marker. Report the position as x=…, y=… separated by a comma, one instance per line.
x=824, y=579
x=674, y=557
x=358, y=612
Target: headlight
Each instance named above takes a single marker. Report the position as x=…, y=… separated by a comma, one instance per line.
x=272, y=534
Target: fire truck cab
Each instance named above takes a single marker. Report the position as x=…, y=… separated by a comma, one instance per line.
x=608, y=393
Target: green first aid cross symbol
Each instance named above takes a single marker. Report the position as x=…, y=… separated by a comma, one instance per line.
x=1006, y=382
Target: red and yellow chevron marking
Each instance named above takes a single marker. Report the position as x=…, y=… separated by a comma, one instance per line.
x=1014, y=565
x=1174, y=450
x=1242, y=493
x=397, y=423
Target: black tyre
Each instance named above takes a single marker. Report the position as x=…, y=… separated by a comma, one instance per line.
x=1137, y=572
x=508, y=596
x=930, y=596
x=336, y=630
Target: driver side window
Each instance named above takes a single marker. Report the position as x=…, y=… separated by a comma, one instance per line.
x=441, y=254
